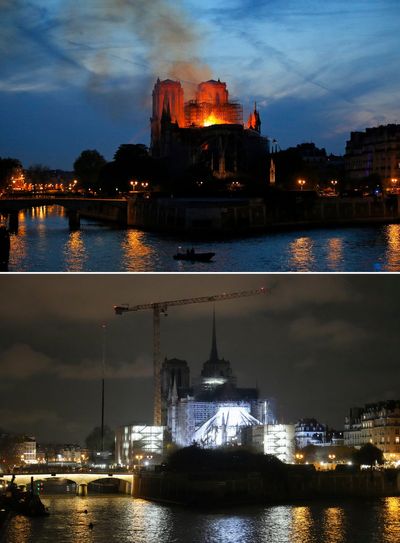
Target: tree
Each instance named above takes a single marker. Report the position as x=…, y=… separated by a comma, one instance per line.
x=368, y=455
x=93, y=440
x=87, y=168
x=131, y=163
x=9, y=450
x=8, y=168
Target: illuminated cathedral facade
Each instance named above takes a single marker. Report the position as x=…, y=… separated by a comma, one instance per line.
x=214, y=412
x=208, y=132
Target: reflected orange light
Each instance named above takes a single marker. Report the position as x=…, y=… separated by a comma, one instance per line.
x=335, y=252
x=392, y=232
x=136, y=254
x=333, y=525
x=391, y=526
x=75, y=252
x=301, y=251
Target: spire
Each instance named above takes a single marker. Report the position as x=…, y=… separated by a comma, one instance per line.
x=214, y=351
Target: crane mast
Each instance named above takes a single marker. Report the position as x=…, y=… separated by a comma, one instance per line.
x=162, y=308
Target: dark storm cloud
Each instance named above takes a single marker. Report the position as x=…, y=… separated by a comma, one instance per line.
x=316, y=344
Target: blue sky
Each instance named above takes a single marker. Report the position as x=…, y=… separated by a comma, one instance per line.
x=77, y=75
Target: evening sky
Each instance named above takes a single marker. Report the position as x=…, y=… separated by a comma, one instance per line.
x=79, y=75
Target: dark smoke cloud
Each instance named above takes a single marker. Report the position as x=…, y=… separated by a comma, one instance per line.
x=158, y=40
x=116, y=48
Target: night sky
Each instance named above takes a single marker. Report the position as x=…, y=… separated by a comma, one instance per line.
x=78, y=75
x=317, y=344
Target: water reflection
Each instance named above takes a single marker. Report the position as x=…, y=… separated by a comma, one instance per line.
x=335, y=253
x=75, y=252
x=118, y=518
x=392, y=254
x=275, y=524
x=302, y=526
x=301, y=254
x=136, y=254
x=391, y=523
x=44, y=243
x=18, y=244
x=334, y=525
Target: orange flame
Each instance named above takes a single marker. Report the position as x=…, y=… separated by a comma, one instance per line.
x=213, y=119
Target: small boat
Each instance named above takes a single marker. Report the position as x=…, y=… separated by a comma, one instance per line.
x=192, y=256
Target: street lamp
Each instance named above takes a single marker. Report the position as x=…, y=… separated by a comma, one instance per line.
x=334, y=183
x=139, y=458
x=394, y=184
x=299, y=457
x=301, y=183
x=331, y=457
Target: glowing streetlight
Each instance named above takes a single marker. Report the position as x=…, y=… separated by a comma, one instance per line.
x=139, y=458
x=334, y=183
x=331, y=457
x=394, y=184
x=299, y=457
x=301, y=183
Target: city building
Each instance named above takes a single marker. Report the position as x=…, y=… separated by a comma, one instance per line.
x=26, y=450
x=275, y=439
x=207, y=134
x=376, y=423
x=213, y=412
x=139, y=444
x=62, y=454
x=375, y=152
x=310, y=432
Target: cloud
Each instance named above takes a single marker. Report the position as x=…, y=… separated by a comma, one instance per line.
x=21, y=361
x=335, y=333
x=292, y=292
x=89, y=370
x=28, y=417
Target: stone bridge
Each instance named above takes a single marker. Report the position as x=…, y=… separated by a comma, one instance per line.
x=108, y=209
x=81, y=479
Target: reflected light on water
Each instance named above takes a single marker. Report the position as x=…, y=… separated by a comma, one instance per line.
x=75, y=252
x=225, y=529
x=18, y=246
x=391, y=522
x=302, y=526
x=334, y=525
x=301, y=254
x=392, y=253
x=335, y=252
x=275, y=524
x=136, y=254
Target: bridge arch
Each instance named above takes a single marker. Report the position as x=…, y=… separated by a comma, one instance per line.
x=81, y=479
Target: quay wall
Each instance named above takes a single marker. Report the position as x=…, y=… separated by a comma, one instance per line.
x=104, y=211
x=237, y=215
x=220, y=488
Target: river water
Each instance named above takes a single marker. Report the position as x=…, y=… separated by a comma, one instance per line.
x=122, y=519
x=45, y=244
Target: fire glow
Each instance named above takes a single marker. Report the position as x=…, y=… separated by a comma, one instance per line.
x=213, y=119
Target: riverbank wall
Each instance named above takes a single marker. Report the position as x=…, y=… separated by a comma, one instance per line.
x=294, y=485
x=231, y=216
x=104, y=210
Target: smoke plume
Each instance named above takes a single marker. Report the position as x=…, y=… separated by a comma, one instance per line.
x=155, y=38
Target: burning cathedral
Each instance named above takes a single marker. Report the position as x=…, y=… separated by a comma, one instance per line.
x=208, y=132
x=214, y=411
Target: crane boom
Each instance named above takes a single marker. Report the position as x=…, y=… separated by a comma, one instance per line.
x=162, y=307
x=119, y=309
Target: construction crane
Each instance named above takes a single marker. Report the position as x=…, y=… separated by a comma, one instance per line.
x=162, y=308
